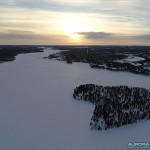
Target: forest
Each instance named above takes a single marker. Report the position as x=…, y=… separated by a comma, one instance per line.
x=115, y=106
x=135, y=59
x=9, y=53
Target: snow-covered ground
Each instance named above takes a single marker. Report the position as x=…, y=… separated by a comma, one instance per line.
x=131, y=59
x=37, y=111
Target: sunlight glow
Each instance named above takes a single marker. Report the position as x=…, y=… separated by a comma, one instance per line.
x=75, y=24
x=71, y=26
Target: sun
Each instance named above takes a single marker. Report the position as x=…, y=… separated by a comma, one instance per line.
x=73, y=25
x=76, y=36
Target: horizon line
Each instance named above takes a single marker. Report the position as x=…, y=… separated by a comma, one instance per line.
x=67, y=45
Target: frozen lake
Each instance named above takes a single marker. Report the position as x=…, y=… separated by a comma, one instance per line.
x=38, y=112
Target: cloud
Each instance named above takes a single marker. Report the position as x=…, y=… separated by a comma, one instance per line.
x=145, y=37
x=14, y=34
x=27, y=37
x=103, y=36
x=123, y=7
x=129, y=21
x=95, y=35
x=88, y=38
x=8, y=2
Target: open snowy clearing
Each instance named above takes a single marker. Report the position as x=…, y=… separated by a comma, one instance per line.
x=38, y=112
x=132, y=60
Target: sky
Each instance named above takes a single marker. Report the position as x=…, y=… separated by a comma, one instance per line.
x=75, y=22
